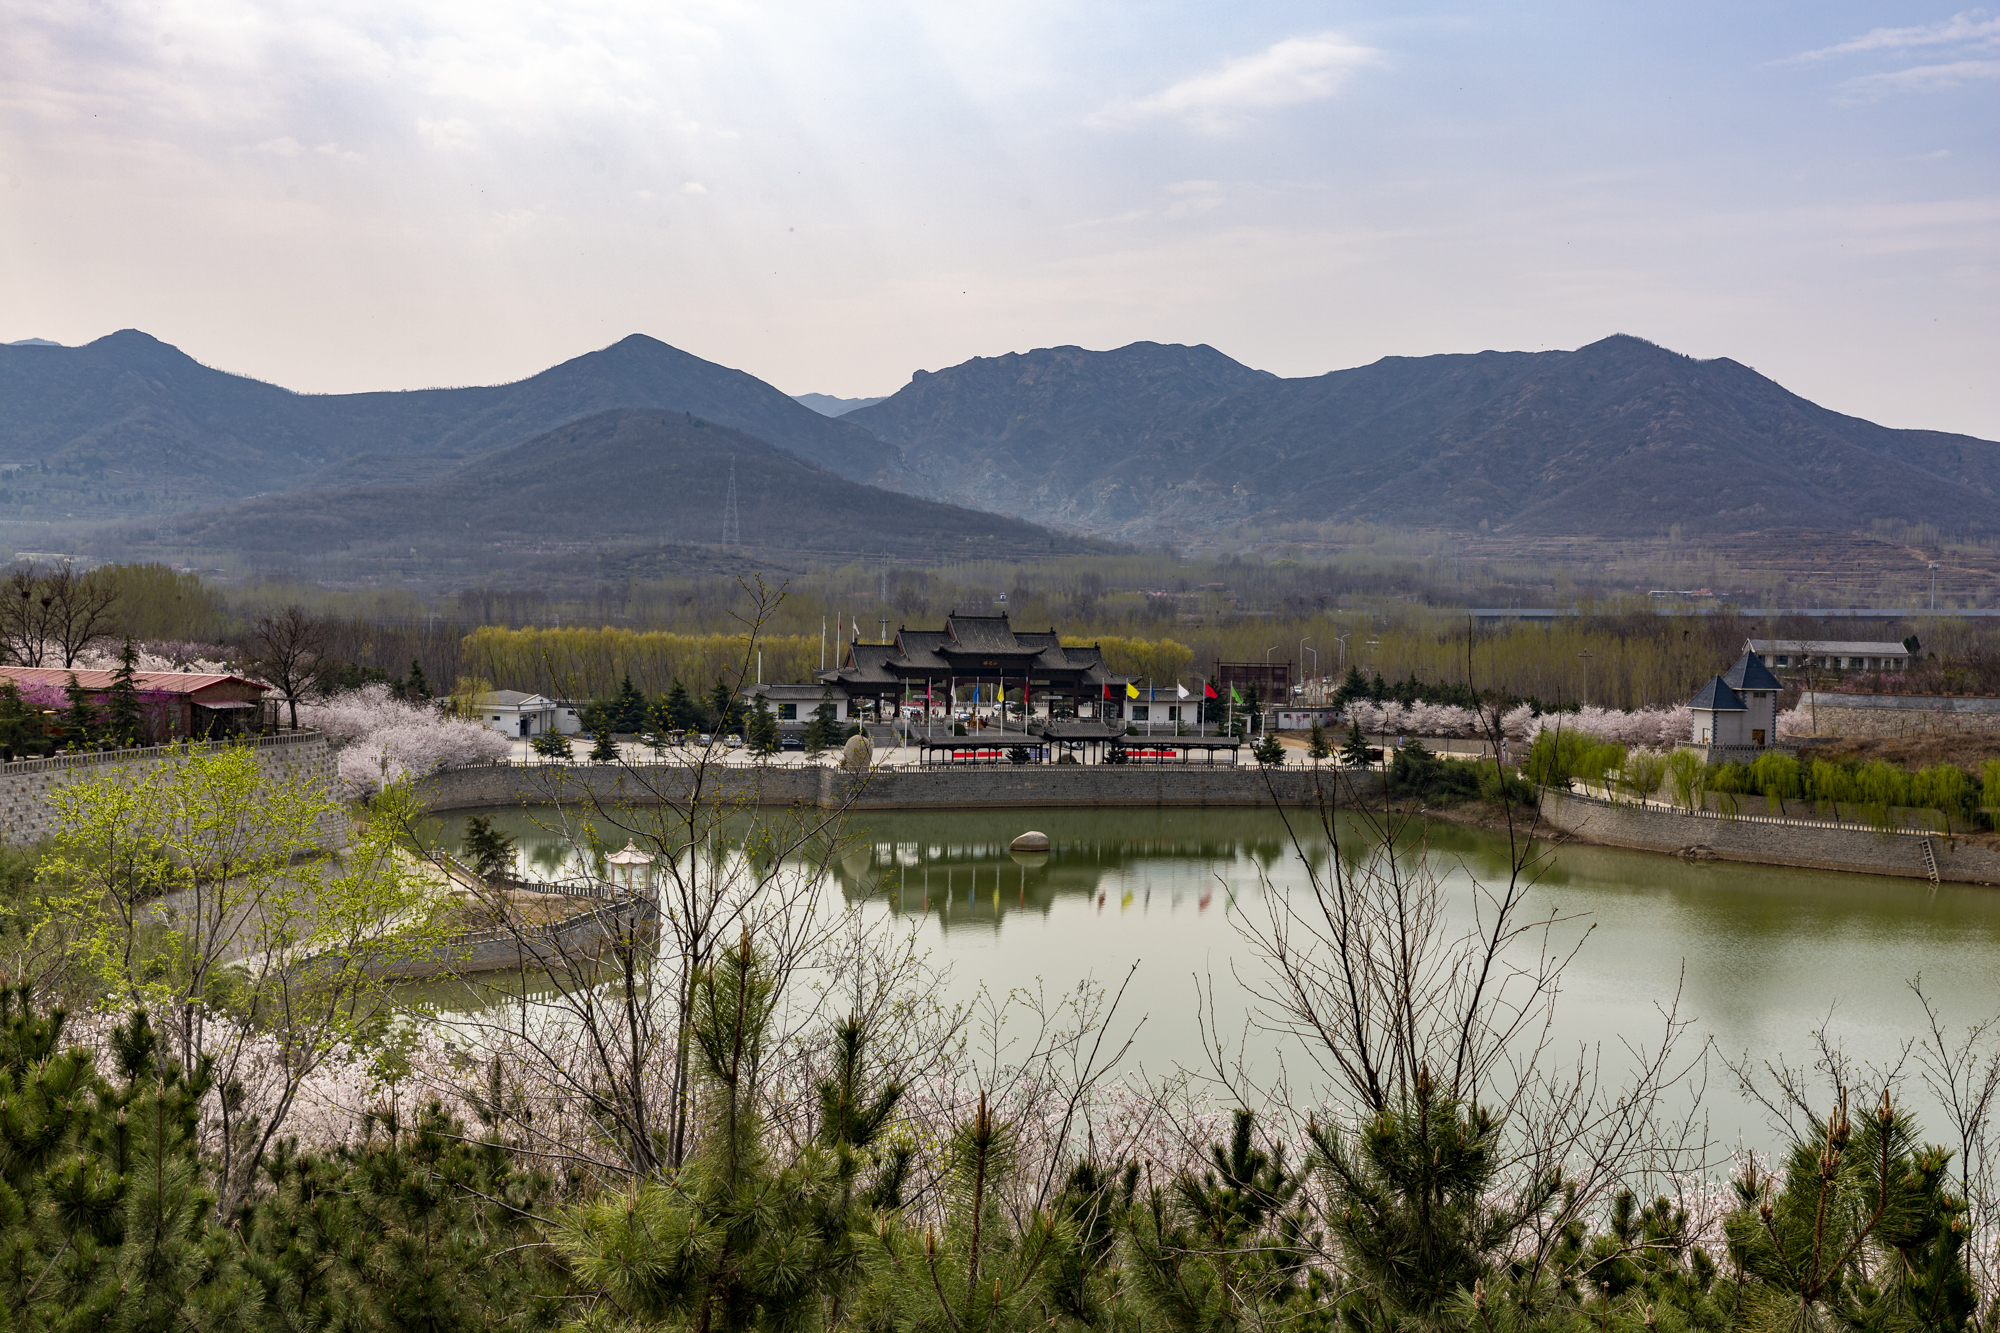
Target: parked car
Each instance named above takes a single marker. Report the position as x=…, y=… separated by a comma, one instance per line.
x=791, y=743
x=734, y=742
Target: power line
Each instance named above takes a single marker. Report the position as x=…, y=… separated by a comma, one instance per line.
x=732, y=522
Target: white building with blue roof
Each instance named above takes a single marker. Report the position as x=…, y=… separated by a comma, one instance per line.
x=1738, y=708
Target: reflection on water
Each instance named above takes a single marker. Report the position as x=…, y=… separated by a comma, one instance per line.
x=1759, y=957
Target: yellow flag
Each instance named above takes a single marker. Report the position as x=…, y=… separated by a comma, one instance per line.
x=1131, y=691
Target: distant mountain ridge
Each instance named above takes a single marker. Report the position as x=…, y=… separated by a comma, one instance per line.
x=610, y=482
x=114, y=423
x=829, y=406
x=1618, y=437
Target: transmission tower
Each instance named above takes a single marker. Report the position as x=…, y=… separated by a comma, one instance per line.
x=732, y=526
x=166, y=534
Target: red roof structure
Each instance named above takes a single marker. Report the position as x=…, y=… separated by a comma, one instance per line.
x=180, y=704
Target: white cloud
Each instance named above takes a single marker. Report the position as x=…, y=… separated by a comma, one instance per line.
x=452, y=135
x=694, y=187
x=334, y=150
x=1295, y=70
x=1972, y=26
x=1918, y=79
x=1192, y=197
x=284, y=147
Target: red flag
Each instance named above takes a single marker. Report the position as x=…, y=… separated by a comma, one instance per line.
x=1208, y=691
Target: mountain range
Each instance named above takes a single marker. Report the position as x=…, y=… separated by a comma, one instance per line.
x=108, y=428
x=1619, y=437
x=622, y=480
x=1148, y=442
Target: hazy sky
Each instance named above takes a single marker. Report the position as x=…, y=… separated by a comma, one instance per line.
x=357, y=194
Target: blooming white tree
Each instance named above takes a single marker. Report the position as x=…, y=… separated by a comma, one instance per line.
x=1652, y=727
x=381, y=738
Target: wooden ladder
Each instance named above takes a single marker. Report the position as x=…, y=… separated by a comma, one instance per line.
x=1930, y=858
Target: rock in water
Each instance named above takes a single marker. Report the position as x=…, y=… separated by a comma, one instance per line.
x=1031, y=841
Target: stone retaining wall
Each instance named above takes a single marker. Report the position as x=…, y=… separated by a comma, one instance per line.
x=26, y=816
x=1899, y=715
x=1786, y=844
x=1141, y=785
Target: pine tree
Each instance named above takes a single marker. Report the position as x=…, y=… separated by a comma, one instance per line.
x=1317, y=745
x=414, y=687
x=682, y=712
x=734, y=1242
x=551, y=744
x=760, y=732
x=1270, y=751
x=625, y=712
x=1223, y=1248
x=725, y=707
x=20, y=725
x=123, y=715
x=605, y=751
x=1352, y=686
x=79, y=721
x=1355, y=752
x=490, y=851
x=823, y=732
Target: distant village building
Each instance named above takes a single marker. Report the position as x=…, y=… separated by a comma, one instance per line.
x=177, y=705
x=1738, y=708
x=525, y=716
x=1829, y=654
x=794, y=705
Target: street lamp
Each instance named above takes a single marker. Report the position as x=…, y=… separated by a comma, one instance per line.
x=1302, y=654
x=1341, y=639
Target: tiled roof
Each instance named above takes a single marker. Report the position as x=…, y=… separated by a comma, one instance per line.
x=1829, y=647
x=1750, y=673
x=982, y=634
x=149, y=682
x=1717, y=697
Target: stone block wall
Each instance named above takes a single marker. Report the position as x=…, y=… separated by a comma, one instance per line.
x=1899, y=715
x=26, y=816
x=1000, y=785
x=1769, y=842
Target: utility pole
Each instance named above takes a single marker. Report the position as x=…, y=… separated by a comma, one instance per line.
x=1585, y=655
x=1934, y=570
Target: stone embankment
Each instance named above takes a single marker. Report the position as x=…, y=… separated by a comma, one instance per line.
x=27, y=816
x=1193, y=786
x=1766, y=840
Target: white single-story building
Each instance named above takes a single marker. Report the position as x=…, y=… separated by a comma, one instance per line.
x=1829, y=654
x=1738, y=707
x=512, y=713
x=1300, y=717
x=794, y=704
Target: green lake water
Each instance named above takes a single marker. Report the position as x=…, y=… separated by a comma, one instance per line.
x=1761, y=957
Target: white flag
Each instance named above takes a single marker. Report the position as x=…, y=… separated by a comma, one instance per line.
x=1181, y=690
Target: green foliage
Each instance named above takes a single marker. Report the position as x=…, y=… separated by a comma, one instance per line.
x=415, y=687
x=22, y=733
x=604, y=750
x=625, y=713
x=551, y=744
x=123, y=717
x=683, y=713
x=1270, y=752
x=80, y=724
x=1989, y=789
x=1115, y=753
x=1858, y=1230
x=736, y=1241
x=725, y=707
x=760, y=732
x=490, y=851
x=1017, y=754
x=1317, y=744
x=1415, y=1203
x=1226, y=1247
x=824, y=731
x=1355, y=752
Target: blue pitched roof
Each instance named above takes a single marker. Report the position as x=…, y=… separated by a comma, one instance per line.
x=1750, y=673
x=1717, y=697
